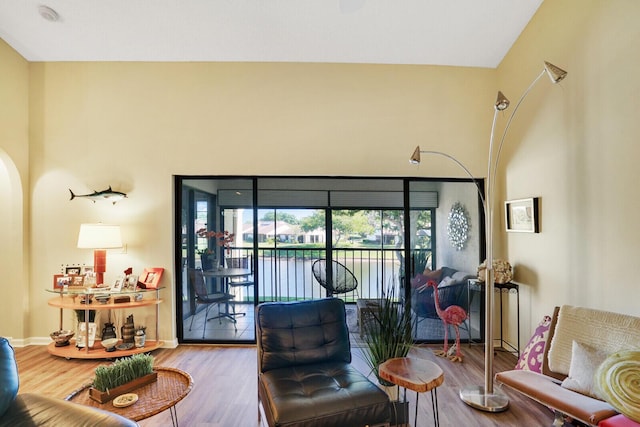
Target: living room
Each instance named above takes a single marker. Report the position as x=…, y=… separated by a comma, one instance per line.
x=135, y=125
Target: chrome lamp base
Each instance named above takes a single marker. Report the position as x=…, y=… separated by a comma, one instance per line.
x=476, y=397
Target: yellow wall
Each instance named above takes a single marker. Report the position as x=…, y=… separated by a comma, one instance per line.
x=576, y=146
x=14, y=190
x=134, y=125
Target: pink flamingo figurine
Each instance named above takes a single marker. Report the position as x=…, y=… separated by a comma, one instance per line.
x=453, y=315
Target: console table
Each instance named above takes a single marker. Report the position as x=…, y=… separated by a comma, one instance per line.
x=501, y=288
x=73, y=299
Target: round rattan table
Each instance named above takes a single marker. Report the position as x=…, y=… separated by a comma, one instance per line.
x=171, y=387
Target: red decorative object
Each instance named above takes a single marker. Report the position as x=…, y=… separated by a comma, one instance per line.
x=453, y=315
x=100, y=264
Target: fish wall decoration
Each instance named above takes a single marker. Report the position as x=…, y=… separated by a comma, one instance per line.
x=108, y=194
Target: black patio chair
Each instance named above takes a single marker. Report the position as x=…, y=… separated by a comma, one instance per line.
x=342, y=279
x=198, y=284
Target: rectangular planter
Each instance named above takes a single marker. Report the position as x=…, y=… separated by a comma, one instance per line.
x=106, y=396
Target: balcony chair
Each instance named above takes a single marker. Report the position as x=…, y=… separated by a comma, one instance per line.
x=203, y=297
x=342, y=279
x=305, y=376
x=241, y=282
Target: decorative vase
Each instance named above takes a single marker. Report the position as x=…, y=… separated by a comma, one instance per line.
x=208, y=261
x=109, y=331
x=127, y=330
x=140, y=337
x=82, y=334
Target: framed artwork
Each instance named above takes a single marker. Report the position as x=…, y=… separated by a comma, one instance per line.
x=72, y=270
x=76, y=280
x=117, y=286
x=60, y=280
x=150, y=278
x=87, y=269
x=522, y=215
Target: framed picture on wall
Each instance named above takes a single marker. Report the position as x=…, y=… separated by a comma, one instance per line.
x=522, y=215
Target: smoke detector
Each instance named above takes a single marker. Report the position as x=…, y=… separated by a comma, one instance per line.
x=47, y=13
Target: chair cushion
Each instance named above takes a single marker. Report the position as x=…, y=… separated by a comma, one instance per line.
x=9, y=382
x=298, y=333
x=323, y=394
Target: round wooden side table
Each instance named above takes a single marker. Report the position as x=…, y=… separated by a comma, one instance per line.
x=419, y=375
x=171, y=387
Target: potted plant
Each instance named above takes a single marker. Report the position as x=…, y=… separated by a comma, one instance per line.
x=387, y=334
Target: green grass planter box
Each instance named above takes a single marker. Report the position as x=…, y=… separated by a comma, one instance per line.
x=106, y=396
x=122, y=376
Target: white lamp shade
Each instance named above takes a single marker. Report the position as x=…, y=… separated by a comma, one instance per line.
x=99, y=236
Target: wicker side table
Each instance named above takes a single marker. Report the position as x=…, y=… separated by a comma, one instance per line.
x=171, y=387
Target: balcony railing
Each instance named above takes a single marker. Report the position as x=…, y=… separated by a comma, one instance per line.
x=284, y=274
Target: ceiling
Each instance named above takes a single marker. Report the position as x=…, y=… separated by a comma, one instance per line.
x=474, y=33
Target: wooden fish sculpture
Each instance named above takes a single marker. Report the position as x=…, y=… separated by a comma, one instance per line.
x=108, y=194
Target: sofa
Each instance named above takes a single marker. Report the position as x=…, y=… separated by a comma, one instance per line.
x=305, y=376
x=579, y=341
x=30, y=409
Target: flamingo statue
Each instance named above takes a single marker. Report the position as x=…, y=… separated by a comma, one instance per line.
x=453, y=315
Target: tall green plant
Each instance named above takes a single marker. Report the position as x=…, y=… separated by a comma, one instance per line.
x=387, y=333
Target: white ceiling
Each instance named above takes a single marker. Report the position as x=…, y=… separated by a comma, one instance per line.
x=475, y=33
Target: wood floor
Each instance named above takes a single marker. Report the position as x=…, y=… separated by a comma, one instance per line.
x=224, y=393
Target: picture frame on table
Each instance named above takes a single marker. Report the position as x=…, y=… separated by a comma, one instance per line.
x=74, y=270
x=77, y=280
x=118, y=284
x=60, y=281
x=130, y=282
x=522, y=215
x=150, y=278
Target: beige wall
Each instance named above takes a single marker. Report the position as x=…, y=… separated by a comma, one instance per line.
x=576, y=146
x=134, y=125
x=14, y=190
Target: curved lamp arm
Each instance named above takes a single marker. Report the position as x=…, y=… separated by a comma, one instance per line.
x=478, y=397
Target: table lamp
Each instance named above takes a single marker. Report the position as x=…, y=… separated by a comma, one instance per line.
x=99, y=237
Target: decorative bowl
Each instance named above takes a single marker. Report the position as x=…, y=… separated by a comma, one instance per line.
x=109, y=344
x=103, y=299
x=61, y=337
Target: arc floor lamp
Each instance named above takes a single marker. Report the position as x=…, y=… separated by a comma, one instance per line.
x=484, y=397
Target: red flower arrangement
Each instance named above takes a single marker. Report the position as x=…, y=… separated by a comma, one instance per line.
x=222, y=238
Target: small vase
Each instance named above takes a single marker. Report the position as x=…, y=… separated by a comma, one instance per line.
x=127, y=330
x=140, y=338
x=82, y=334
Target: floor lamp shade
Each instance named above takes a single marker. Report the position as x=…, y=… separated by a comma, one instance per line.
x=99, y=237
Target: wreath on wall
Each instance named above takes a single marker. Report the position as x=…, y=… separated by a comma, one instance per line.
x=458, y=227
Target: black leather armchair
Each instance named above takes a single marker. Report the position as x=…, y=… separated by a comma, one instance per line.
x=30, y=409
x=305, y=377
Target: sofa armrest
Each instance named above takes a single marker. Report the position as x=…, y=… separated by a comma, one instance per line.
x=29, y=409
x=546, y=391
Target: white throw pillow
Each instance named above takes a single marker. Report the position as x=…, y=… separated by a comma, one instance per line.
x=585, y=360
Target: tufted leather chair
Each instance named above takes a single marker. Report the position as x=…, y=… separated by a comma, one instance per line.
x=305, y=377
x=30, y=409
